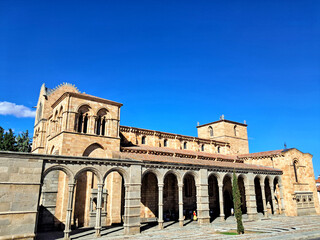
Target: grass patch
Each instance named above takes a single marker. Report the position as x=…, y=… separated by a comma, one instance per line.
x=228, y=233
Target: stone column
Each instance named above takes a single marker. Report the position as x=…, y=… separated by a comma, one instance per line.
x=251, y=197
x=264, y=199
x=203, y=197
x=133, y=201
x=98, y=211
x=160, y=205
x=273, y=199
x=221, y=200
x=67, y=229
x=283, y=210
x=180, y=186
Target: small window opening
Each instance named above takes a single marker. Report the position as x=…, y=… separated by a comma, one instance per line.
x=80, y=120
x=295, y=170
x=85, y=123
x=103, y=126
x=202, y=147
x=218, y=149
x=165, y=143
x=185, y=145
x=143, y=140
x=211, y=131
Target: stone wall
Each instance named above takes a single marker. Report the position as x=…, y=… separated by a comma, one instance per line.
x=291, y=187
x=20, y=176
x=227, y=131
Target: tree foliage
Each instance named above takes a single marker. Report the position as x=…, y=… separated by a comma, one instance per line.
x=10, y=142
x=237, y=204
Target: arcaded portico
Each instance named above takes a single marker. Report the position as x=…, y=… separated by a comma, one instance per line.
x=86, y=170
x=134, y=175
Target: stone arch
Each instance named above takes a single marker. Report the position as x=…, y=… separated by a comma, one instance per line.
x=189, y=193
x=217, y=175
x=242, y=183
x=171, y=195
x=174, y=172
x=214, y=179
x=258, y=180
x=192, y=173
x=267, y=190
x=227, y=194
x=116, y=181
x=154, y=171
x=260, y=177
x=87, y=180
x=149, y=196
x=62, y=168
x=120, y=170
x=276, y=192
x=94, y=150
x=86, y=107
x=103, y=111
x=53, y=198
x=89, y=169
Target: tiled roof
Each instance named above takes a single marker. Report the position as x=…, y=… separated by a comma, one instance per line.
x=189, y=161
x=179, y=151
x=262, y=154
x=318, y=180
x=167, y=155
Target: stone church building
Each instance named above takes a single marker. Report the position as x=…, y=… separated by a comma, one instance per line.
x=90, y=171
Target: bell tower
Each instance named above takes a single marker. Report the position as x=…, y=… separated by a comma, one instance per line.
x=224, y=130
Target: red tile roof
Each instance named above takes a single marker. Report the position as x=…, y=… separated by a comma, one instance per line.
x=178, y=151
x=262, y=154
x=166, y=155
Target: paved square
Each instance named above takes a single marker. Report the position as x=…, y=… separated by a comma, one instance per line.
x=305, y=227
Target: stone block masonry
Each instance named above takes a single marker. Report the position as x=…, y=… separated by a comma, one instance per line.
x=20, y=176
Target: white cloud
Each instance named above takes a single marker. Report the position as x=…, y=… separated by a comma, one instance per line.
x=8, y=108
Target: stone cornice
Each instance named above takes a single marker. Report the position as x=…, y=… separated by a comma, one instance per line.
x=171, y=136
x=86, y=97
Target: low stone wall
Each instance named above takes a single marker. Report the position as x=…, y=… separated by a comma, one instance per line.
x=20, y=176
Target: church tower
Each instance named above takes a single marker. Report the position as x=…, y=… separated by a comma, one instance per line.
x=227, y=131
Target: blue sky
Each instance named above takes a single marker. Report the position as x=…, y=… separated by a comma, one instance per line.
x=172, y=63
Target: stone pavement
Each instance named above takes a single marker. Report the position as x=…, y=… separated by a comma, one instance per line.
x=304, y=227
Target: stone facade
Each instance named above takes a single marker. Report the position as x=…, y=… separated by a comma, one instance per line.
x=87, y=170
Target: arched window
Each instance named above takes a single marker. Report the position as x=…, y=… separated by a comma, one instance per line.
x=98, y=126
x=85, y=123
x=218, y=149
x=101, y=122
x=185, y=145
x=39, y=112
x=103, y=126
x=235, y=130
x=202, y=147
x=143, y=140
x=295, y=168
x=82, y=119
x=211, y=131
x=165, y=143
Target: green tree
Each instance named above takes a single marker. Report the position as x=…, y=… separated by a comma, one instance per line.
x=24, y=142
x=9, y=141
x=1, y=139
x=237, y=204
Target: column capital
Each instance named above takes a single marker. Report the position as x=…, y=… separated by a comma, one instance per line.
x=180, y=185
